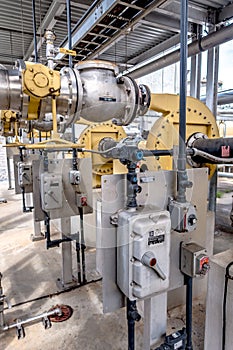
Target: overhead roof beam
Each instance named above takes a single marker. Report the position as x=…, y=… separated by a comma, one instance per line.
x=225, y=13
x=160, y=20
x=196, y=14
x=81, y=5
x=130, y=5
x=56, y=8
x=156, y=50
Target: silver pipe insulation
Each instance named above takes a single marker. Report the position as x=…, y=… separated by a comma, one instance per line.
x=224, y=174
x=223, y=97
x=216, y=38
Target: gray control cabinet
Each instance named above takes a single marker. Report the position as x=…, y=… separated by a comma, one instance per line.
x=143, y=248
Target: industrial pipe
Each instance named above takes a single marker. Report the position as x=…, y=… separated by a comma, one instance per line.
x=181, y=165
x=132, y=316
x=68, y=12
x=225, y=174
x=34, y=29
x=223, y=97
x=82, y=244
x=91, y=90
x=189, y=303
x=216, y=38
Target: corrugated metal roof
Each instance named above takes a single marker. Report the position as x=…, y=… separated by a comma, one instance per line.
x=107, y=40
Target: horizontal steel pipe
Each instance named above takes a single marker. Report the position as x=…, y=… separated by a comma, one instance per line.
x=216, y=38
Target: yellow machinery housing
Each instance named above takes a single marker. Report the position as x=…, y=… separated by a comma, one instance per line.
x=90, y=138
x=164, y=134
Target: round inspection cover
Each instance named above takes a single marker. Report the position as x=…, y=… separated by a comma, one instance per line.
x=67, y=312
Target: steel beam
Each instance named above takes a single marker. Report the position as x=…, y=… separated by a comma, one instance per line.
x=156, y=50
x=164, y=21
x=56, y=8
x=196, y=14
x=225, y=13
x=88, y=24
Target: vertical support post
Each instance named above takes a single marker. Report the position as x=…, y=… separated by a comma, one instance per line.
x=193, y=78
x=54, y=114
x=8, y=153
x=181, y=173
x=34, y=29
x=155, y=320
x=66, y=250
x=211, y=102
x=210, y=79
x=199, y=65
x=37, y=235
x=68, y=12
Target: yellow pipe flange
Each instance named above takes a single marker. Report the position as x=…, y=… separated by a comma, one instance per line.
x=164, y=134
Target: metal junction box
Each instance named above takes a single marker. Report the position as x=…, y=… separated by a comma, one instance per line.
x=143, y=248
x=51, y=191
x=194, y=260
x=60, y=190
x=24, y=174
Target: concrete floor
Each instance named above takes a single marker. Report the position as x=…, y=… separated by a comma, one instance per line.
x=30, y=272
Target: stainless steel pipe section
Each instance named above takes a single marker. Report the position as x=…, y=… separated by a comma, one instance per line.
x=10, y=90
x=105, y=97
x=91, y=90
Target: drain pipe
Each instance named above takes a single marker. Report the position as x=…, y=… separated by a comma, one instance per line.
x=34, y=29
x=80, y=243
x=182, y=178
x=131, y=307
